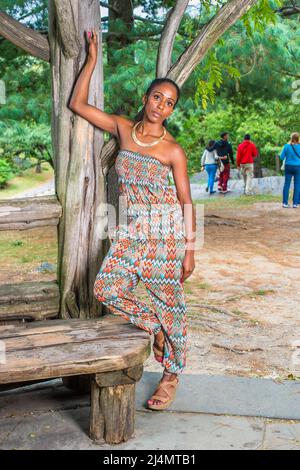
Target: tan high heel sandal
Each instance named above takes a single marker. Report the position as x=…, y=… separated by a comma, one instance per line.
x=169, y=387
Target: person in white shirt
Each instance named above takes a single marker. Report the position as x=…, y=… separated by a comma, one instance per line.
x=209, y=160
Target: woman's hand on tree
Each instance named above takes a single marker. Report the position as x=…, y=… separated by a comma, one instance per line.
x=93, y=46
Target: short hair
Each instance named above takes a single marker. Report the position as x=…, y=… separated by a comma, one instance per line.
x=247, y=137
x=295, y=138
x=223, y=134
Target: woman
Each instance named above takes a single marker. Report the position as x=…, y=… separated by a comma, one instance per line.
x=209, y=160
x=165, y=258
x=291, y=155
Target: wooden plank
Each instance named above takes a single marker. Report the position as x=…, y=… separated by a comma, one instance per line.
x=26, y=213
x=74, y=359
x=104, y=323
x=25, y=343
x=29, y=301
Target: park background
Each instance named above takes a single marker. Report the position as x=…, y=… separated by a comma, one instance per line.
x=245, y=83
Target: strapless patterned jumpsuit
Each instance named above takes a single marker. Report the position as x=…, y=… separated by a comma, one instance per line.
x=150, y=248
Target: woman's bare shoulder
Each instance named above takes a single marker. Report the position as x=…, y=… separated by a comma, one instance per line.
x=176, y=151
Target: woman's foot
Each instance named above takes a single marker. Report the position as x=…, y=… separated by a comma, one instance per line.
x=165, y=392
x=158, y=346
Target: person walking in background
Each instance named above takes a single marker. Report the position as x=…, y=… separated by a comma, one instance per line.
x=291, y=156
x=209, y=161
x=246, y=152
x=225, y=152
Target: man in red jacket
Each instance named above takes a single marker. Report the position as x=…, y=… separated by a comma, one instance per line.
x=246, y=153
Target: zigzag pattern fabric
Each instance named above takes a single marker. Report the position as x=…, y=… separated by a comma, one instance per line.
x=150, y=247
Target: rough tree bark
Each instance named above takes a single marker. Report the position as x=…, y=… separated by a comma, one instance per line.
x=80, y=183
x=23, y=37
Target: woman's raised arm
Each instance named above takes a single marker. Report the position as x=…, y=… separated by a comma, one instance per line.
x=79, y=100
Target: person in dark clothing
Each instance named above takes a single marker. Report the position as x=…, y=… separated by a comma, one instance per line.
x=225, y=152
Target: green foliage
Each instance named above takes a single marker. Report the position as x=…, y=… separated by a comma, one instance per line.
x=6, y=172
x=261, y=14
x=269, y=123
x=125, y=86
x=206, y=89
x=28, y=89
x=33, y=13
x=23, y=144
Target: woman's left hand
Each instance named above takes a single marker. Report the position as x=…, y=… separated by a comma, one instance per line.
x=188, y=266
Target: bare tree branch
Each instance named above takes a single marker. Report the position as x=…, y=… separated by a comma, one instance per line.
x=26, y=38
x=168, y=35
x=221, y=22
x=286, y=72
x=289, y=10
x=109, y=7
x=136, y=17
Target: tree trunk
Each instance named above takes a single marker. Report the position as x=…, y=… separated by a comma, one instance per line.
x=79, y=180
x=38, y=168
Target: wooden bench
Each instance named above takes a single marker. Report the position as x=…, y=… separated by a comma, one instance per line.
x=108, y=353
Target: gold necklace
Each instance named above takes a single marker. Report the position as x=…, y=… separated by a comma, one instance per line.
x=143, y=144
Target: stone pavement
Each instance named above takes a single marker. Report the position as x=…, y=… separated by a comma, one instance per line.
x=210, y=412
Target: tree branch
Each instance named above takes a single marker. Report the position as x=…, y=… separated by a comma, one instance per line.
x=166, y=45
x=221, y=22
x=26, y=38
x=139, y=18
x=286, y=72
x=289, y=10
x=109, y=7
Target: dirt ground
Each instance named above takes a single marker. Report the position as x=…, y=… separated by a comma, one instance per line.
x=243, y=297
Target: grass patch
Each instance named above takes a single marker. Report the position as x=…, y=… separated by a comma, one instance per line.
x=263, y=292
x=240, y=201
x=32, y=247
x=29, y=180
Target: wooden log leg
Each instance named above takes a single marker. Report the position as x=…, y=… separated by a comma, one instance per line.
x=113, y=405
x=96, y=419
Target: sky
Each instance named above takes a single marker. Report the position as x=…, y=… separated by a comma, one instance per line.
x=139, y=11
